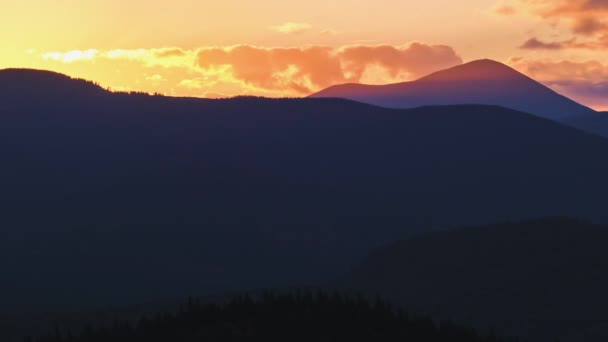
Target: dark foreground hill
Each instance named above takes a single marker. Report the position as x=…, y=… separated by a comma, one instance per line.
x=271, y=317
x=117, y=199
x=479, y=82
x=539, y=279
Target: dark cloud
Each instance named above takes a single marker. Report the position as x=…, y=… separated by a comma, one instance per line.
x=587, y=21
x=535, y=44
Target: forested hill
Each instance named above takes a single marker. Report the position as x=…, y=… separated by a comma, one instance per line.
x=300, y=317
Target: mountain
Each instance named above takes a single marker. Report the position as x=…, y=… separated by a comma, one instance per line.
x=596, y=123
x=115, y=199
x=538, y=279
x=42, y=83
x=478, y=82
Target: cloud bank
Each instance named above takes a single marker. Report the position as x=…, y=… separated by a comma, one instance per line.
x=307, y=69
x=278, y=71
x=586, y=21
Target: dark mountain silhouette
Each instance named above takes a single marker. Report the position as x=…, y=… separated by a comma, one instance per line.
x=539, y=279
x=118, y=199
x=478, y=82
x=41, y=83
x=302, y=316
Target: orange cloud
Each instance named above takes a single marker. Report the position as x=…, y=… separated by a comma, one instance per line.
x=329, y=32
x=587, y=21
x=536, y=44
x=303, y=70
x=505, y=10
x=586, y=82
x=291, y=28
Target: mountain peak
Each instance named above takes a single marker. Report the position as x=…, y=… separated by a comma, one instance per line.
x=482, y=69
x=481, y=81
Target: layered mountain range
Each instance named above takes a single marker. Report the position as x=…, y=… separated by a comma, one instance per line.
x=478, y=82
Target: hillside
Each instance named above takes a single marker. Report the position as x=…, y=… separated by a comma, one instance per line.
x=538, y=279
x=19, y=83
x=119, y=199
x=479, y=82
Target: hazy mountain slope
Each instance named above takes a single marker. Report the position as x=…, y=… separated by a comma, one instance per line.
x=478, y=82
x=119, y=198
x=538, y=279
x=596, y=123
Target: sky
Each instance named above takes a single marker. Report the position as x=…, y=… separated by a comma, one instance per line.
x=290, y=48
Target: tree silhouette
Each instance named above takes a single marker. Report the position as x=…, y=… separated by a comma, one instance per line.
x=300, y=316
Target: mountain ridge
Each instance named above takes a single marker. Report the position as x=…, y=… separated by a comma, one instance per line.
x=478, y=82
x=45, y=83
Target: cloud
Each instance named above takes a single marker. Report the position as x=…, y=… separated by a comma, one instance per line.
x=170, y=52
x=588, y=26
x=197, y=83
x=505, y=10
x=536, y=44
x=329, y=32
x=586, y=21
x=71, y=56
x=303, y=70
x=155, y=78
x=167, y=57
x=291, y=28
x=586, y=82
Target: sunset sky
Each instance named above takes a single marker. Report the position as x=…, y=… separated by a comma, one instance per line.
x=292, y=48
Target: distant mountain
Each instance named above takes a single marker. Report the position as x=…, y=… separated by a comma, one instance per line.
x=538, y=279
x=118, y=199
x=479, y=82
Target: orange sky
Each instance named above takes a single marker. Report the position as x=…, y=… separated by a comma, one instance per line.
x=291, y=48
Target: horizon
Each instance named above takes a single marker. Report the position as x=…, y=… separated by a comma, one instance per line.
x=286, y=49
x=108, y=88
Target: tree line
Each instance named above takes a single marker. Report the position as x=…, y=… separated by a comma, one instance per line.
x=297, y=316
